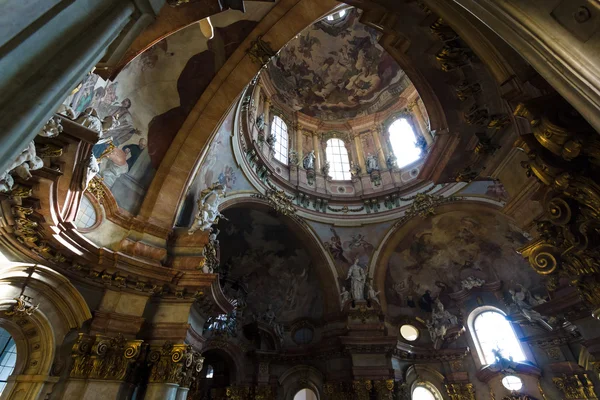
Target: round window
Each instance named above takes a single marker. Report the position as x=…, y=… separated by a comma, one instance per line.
x=409, y=332
x=512, y=383
x=303, y=336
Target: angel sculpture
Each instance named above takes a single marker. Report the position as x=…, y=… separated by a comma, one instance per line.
x=208, y=208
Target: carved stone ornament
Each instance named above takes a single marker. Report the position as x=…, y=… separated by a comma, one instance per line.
x=23, y=308
x=576, y=386
x=568, y=244
x=28, y=160
x=174, y=363
x=279, y=200
x=208, y=208
x=460, y=391
x=260, y=51
x=52, y=128
x=96, y=188
x=104, y=357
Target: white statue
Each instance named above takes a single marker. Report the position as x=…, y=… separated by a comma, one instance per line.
x=91, y=171
x=66, y=111
x=89, y=118
x=208, y=208
x=524, y=302
x=22, y=165
x=308, y=162
x=373, y=294
x=471, y=282
x=6, y=182
x=344, y=296
x=52, y=128
x=372, y=163
x=269, y=315
x=357, y=277
x=441, y=321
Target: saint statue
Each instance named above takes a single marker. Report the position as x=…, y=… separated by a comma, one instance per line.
x=372, y=163
x=373, y=294
x=208, y=208
x=357, y=277
x=344, y=296
x=308, y=162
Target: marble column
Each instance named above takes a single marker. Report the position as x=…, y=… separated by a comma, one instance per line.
x=419, y=123
x=267, y=111
x=376, y=132
x=48, y=49
x=119, y=313
x=360, y=153
x=168, y=323
x=317, y=148
x=299, y=143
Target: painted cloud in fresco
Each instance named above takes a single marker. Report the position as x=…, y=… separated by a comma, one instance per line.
x=337, y=70
x=449, y=248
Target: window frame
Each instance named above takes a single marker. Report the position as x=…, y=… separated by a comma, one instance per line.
x=340, y=145
x=3, y=351
x=282, y=139
x=97, y=209
x=476, y=313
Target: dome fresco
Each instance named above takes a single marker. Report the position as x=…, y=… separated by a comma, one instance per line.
x=337, y=70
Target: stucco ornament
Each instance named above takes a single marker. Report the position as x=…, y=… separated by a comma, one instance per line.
x=344, y=296
x=89, y=118
x=308, y=162
x=523, y=303
x=91, y=171
x=471, y=282
x=52, y=128
x=208, y=208
x=373, y=294
x=441, y=322
x=372, y=163
x=22, y=165
x=357, y=277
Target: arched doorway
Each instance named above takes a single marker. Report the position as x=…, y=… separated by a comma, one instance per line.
x=217, y=374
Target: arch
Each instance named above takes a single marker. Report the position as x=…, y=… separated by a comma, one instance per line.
x=38, y=336
x=328, y=277
x=301, y=377
x=398, y=232
x=280, y=130
x=491, y=321
x=337, y=156
x=427, y=378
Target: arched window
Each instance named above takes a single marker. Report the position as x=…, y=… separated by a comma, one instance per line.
x=280, y=130
x=86, y=216
x=403, y=142
x=305, y=394
x=210, y=372
x=8, y=357
x=337, y=155
x=492, y=331
x=425, y=391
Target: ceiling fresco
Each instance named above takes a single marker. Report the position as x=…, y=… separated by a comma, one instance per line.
x=263, y=255
x=337, y=70
x=153, y=95
x=446, y=249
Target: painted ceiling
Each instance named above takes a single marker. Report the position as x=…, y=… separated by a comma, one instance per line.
x=337, y=70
